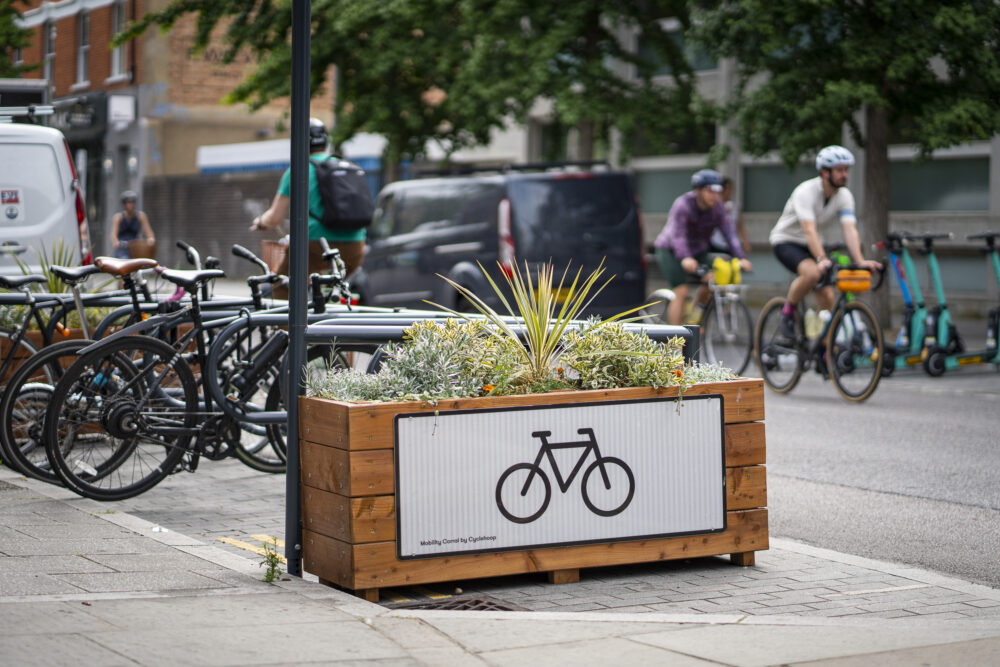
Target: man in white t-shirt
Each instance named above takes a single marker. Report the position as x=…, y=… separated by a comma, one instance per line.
x=813, y=209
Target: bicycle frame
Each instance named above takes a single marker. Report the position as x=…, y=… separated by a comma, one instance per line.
x=547, y=448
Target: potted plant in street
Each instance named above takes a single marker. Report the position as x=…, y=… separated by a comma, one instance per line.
x=490, y=445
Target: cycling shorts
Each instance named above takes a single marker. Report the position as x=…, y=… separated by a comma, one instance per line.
x=792, y=254
x=671, y=268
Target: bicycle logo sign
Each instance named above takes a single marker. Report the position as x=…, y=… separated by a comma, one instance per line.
x=523, y=491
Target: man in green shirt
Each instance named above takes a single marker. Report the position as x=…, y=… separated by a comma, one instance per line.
x=351, y=243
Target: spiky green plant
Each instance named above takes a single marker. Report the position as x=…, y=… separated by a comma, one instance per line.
x=543, y=320
x=62, y=255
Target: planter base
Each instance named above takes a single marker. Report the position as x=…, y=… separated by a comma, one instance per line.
x=349, y=502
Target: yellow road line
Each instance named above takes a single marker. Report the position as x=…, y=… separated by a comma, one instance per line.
x=269, y=540
x=248, y=547
x=394, y=597
x=426, y=592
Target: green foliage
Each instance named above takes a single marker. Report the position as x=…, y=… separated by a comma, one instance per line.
x=272, y=560
x=933, y=66
x=452, y=71
x=12, y=37
x=61, y=254
x=541, y=320
x=609, y=356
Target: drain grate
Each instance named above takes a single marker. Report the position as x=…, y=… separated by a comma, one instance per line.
x=460, y=604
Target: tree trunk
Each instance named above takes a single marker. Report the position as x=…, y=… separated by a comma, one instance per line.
x=875, y=225
x=585, y=148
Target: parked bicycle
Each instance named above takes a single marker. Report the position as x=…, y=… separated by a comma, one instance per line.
x=607, y=496
x=848, y=348
x=726, y=335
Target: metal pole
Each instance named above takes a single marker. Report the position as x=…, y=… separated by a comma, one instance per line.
x=298, y=265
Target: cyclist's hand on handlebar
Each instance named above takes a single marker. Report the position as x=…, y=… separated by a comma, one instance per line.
x=745, y=265
x=689, y=264
x=824, y=264
x=871, y=265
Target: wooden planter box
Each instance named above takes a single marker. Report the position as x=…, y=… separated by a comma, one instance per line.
x=35, y=338
x=349, y=502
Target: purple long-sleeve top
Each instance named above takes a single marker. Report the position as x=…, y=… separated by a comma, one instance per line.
x=689, y=229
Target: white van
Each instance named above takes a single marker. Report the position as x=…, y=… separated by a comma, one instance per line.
x=40, y=199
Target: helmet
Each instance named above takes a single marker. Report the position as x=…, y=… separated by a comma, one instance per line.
x=317, y=134
x=129, y=195
x=833, y=156
x=707, y=178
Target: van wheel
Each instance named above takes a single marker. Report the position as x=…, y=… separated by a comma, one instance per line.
x=463, y=305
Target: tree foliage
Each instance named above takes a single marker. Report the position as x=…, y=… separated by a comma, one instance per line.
x=12, y=37
x=452, y=71
x=807, y=67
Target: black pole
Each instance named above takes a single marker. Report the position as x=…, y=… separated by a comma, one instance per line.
x=298, y=265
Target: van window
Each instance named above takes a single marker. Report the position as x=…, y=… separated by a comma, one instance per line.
x=33, y=170
x=446, y=203
x=570, y=203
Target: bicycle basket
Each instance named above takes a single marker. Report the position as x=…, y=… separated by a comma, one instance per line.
x=854, y=280
x=727, y=272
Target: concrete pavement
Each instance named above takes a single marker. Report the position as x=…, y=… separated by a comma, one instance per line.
x=84, y=582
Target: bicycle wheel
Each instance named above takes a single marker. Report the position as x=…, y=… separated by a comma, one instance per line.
x=854, y=351
x=612, y=489
x=518, y=499
x=780, y=361
x=22, y=410
x=121, y=419
x=727, y=332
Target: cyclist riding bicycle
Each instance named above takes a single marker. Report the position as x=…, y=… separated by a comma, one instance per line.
x=797, y=238
x=684, y=243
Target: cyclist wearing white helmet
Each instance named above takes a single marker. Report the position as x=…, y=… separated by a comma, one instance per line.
x=684, y=242
x=812, y=210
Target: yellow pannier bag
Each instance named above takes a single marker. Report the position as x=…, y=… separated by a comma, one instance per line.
x=727, y=272
x=854, y=280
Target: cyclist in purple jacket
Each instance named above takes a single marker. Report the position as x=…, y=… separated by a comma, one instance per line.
x=685, y=241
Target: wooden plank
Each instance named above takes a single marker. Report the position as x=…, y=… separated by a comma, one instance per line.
x=365, y=566
x=373, y=518
x=365, y=473
x=746, y=444
x=744, y=558
x=353, y=520
x=361, y=426
x=746, y=488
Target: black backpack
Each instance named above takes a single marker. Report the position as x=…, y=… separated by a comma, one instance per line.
x=347, y=202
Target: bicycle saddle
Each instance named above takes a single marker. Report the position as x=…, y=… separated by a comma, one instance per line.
x=74, y=274
x=983, y=235
x=928, y=236
x=13, y=282
x=190, y=280
x=123, y=267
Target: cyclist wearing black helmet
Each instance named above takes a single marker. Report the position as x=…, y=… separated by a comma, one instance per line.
x=128, y=225
x=351, y=243
x=685, y=240
x=813, y=208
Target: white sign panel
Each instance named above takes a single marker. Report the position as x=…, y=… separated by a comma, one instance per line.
x=517, y=478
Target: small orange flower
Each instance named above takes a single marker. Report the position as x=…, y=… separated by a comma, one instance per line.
x=679, y=373
x=488, y=389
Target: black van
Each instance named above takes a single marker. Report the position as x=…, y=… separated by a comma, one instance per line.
x=444, y=226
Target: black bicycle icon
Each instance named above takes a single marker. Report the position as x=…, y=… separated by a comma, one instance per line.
x=512, y=492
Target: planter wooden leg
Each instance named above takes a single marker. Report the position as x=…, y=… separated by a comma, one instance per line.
x=369, y=594
x=744, y=558
x=564, y=576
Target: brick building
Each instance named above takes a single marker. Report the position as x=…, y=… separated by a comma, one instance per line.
x=136, y=115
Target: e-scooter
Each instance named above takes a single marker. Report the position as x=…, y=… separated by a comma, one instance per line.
x=909, y=347
x=945, y=349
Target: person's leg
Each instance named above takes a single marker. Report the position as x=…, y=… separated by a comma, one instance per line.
x=676, y=278
x=825, y=298
x=797, y=259
x=675, y=311
x=353, y=253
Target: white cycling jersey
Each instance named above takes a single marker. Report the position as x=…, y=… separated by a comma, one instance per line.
x=807, y=203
